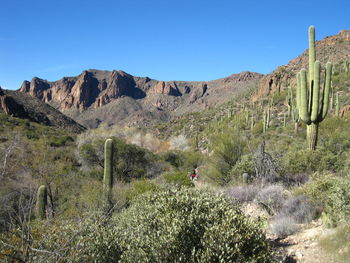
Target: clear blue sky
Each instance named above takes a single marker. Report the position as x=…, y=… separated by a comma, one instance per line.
x=166, y=40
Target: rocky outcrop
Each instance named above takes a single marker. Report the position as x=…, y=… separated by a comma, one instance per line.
x=9, y=106
x=165, y=88
x=345, y=110
x=198, y=93
x=91, y=88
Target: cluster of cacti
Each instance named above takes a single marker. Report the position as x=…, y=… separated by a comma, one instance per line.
x=108, y=171
x=312, y=104
x=41, y=202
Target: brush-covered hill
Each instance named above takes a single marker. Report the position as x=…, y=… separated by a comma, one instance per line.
x=115, y=97
x=335, y=49
x=21, y=105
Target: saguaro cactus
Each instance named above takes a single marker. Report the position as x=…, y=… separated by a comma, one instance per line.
x=108, y=171
x=337, y=105
x=41, y=202
x=312, y=104
x=266, y=121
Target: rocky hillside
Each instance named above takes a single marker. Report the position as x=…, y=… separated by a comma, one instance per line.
x=335, y=49
x=111, y=97
x=23, y=106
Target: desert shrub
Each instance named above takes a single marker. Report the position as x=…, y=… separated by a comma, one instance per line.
x=179, y=142
x=271, y=198
x=189, y=226
x=228, y=150
x=297, y=161
x=299, y=208
x=137, y=188
x=175, y=158
x=131, y=161
x=338, y=205
x=59, y=141
x=283, y=226
x=178, y=179
x=89, y=240
x=244, y=165
x=192, y=159
x=243, y=193
x=331, y=195
x=335, y=135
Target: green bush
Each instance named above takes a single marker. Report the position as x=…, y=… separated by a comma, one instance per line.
x=189, y=226
x=244, y=165
x=175, y=158
x=304, y=161
x=60, y=141
x=228, y=149
x=137, y=188
x=169, y=226
x=331, y=194
x=178, y=178
x=90, y=240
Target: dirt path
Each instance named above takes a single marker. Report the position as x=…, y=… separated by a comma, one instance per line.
x=303, y=247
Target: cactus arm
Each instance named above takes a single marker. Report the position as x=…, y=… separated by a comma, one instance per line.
x=312, y=58
x=303, y=110
x=327, y=87
x=316, y=92
x=298, y=91
x=312, y=53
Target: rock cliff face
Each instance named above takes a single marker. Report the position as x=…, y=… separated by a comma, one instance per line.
x=333, y=48
x=81, y=97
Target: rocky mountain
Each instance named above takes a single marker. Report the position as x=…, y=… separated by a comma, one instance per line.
x=21, y=105
x=335, y=49
x=111, y=97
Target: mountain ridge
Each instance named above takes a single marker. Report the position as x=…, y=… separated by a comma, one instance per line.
x=150, y=98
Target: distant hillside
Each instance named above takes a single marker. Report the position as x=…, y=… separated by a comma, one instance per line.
x=18, y=104
x=335, y=49
x=111, y=97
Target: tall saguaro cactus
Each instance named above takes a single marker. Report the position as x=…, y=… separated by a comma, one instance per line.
x=41, y=202
x=108, y=171
x=312, y=104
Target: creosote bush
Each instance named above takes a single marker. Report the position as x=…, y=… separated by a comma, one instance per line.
x=242, y=193
x=283, y=226
x=183, y=225
x=189, y=226
x=271, y=198
x=331, y=195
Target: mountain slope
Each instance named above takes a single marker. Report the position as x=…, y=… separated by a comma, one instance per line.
x=23, y=106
